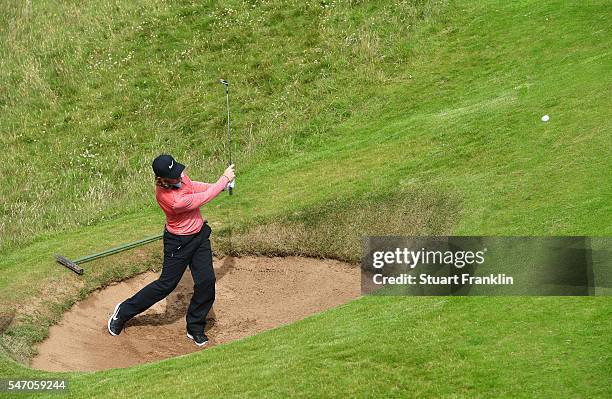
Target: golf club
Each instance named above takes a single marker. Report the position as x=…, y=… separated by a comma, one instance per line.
x=229, y=135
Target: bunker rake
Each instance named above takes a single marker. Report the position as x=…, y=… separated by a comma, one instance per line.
x=74, y=264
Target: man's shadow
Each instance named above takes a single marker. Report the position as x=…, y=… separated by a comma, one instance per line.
x=178, y=300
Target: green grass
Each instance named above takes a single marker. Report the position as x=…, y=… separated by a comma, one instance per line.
x=350, y=118
x=397, y=347
x=418, y=94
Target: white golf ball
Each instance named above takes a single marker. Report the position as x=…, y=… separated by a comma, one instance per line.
x=545, y=118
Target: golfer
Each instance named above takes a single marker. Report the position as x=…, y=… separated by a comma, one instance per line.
x=186, y=243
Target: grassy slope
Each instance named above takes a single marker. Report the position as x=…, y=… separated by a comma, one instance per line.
x=421, y=347
x=389, y=87
x=448, y=117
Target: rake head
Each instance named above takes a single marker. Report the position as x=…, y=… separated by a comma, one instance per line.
x=69, y=264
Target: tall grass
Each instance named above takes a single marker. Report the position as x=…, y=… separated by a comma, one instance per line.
x=336, y=229
x=92, y=92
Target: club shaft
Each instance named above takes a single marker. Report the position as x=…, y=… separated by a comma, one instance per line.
x=229, y=134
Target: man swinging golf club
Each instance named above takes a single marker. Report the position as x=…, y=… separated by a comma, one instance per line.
x=186, y=243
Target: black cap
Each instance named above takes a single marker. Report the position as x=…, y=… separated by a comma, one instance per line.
x=166, y=166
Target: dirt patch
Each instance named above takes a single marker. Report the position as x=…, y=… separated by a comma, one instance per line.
x=253, y=294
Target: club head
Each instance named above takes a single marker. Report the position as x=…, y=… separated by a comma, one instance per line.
x=224, y=82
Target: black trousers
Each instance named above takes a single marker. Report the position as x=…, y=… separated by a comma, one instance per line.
x=180, y=251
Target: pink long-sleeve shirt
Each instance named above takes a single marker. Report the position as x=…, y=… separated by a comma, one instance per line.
x=182, y=205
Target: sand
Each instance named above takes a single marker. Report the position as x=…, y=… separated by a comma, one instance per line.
x=253, y=294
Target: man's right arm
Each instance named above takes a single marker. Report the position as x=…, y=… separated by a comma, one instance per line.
x=184, y=202
x=199, y=186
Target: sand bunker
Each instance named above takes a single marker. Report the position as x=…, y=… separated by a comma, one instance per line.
x=254, y=294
